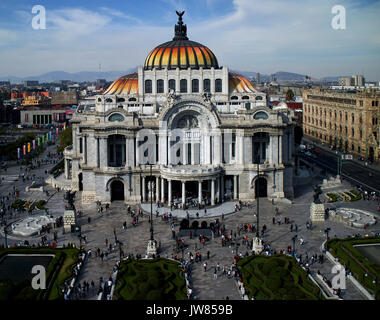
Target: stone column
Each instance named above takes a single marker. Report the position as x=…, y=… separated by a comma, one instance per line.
x=222, y=188
x=270, y=149
x=200, y=191
x=280, y=149
x=84, y=148
x=162, y=189
x=235, y=187
x=103, y=152
x=66, y=169
x=97, y=152
x=183, y=193
x=213, y=192
x=143, y=189
x=157, y=188
x=169, y=192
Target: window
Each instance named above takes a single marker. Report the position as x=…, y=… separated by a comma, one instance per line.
x=218, y=85
x=116, y=117
x=234, y=98
x=148, y=86
x=108, y=100
x=183, y=86
x=132, y=99
x=120, y=100
x=160, y=86
x=195, y=85
x=172, y=84
x=233, y=147
x=248, y=106
x=206, y=85
x=245, y=98
x=261, y=98
x=260, y=115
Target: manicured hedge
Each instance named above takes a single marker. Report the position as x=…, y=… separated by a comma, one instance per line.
x=276, y=277
x=153, y=279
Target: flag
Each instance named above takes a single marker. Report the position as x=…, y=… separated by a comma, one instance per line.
x=49, y=135
x=34, y=144
x=38, y=141
x=43, y=139
x=18, y=153
x=56, y=131
x=24, y=149
x=28, y=147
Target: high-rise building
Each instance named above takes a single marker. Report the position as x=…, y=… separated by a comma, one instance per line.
x=358, y=80
x=258, y=78
x=346, y=81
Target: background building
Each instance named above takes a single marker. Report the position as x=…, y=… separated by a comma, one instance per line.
x=347, y=121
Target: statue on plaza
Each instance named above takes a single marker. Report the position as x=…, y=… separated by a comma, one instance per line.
x=317, y=193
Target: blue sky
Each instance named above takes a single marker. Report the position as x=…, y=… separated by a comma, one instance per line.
x=251, y=35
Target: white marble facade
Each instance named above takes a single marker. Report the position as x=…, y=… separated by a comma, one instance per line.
x=202, y=143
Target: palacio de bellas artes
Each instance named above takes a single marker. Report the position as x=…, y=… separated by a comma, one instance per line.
x=183, y=130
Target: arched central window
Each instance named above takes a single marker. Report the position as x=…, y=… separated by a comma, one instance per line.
x=195, y=85
x=172, y=84
x=148, y=86
x=206, y=85
x=183, y=86
x=160, y=86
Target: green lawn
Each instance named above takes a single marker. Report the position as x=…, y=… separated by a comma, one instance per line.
x=60, y=269
x=156, y=279
x=357, y=263
x=277, y=277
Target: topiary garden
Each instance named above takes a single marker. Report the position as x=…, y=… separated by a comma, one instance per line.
x=277, y=277
x=155, y=279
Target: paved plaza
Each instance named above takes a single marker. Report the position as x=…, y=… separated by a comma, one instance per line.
x=134, y=239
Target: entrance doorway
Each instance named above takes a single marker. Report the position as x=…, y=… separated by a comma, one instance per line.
x=117, y=190
x=261, y=188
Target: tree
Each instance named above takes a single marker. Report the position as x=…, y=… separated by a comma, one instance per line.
x=66, y=139
x=289, y=95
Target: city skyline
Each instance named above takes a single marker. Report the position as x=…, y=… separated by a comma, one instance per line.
x=292, y=36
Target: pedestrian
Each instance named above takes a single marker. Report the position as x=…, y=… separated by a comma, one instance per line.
x=205, y=266
x=291, y=227
x=215, y=274
x=89, y=220
x=208, y=255
x=273, y=220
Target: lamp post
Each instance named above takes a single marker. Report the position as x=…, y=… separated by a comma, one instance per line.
x=294, y=245
x=258, y=197
x=327, y=230
x=114, y=232
x=151, y=203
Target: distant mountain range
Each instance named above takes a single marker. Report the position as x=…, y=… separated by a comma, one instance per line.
x=76, y=77
x=113, y=75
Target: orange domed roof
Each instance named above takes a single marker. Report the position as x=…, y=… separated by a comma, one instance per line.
x=128, y=84
x=181, y=52
x=239, y=84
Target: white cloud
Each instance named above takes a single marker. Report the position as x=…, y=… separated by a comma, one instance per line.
x=262, y=36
